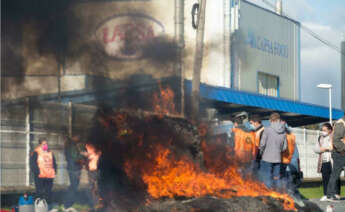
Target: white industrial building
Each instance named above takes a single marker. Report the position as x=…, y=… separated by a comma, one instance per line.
x=251, y=49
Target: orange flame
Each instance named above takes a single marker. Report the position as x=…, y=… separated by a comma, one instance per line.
x=167, y=174
x=163, y=102
x=170, y=177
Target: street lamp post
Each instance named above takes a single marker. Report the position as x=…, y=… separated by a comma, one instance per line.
x=329, y=87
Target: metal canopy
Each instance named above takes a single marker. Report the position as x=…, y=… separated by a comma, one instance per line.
x=228, y=101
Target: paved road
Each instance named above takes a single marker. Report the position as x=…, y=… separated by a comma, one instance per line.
x=338, y=206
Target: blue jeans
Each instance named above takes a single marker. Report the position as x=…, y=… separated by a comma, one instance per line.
x=270, y=174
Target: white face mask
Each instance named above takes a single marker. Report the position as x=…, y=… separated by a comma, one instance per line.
x=324, y=133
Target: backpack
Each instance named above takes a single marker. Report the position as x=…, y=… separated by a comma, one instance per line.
x=41, y=205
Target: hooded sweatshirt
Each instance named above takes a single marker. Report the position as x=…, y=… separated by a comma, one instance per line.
x=273, y=143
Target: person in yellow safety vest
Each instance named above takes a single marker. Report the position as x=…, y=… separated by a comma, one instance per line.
x=93, y=156
x=43, y=166
x=243, y=141
x=258, y=128
x=287, y=155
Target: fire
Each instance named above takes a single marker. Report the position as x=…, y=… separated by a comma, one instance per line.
x=163, y=102
x=152, y=156
x=170, y=176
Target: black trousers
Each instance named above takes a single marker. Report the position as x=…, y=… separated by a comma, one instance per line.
x=326, y=170
x=72, y=192
x=93, y=188
x=44, y=188
x=338, y=164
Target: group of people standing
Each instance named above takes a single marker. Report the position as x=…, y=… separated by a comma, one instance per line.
x=268, y=150
x=273, y=155
x=331, y=149
x=78, y=156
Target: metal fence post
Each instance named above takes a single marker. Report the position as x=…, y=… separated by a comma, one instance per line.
x=305, y=151
x=28, y=136
x=70, y=118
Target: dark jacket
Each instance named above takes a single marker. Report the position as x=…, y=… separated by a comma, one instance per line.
x=338, y=136
x=34, y=166
x=258, y=129
x=258, y=155
x=73, y=157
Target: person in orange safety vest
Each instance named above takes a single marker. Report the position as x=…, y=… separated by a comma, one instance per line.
x=243, y=141
x=287, y=155
x=43, y=166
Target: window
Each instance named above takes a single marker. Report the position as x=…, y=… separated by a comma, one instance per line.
x=268, y=84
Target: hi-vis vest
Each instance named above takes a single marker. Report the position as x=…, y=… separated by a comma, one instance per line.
x=45, y=164
x=245, y=149
x=288, y=153
x=93, y=157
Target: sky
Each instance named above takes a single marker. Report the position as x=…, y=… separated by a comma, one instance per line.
x=319, y=63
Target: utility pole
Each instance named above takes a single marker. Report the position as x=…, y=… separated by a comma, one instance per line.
x=198, y=59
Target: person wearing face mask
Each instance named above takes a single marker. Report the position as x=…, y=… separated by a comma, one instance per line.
x=43, y=166
x=324, y=147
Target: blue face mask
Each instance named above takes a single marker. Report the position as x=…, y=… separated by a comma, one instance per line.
x=249, y=126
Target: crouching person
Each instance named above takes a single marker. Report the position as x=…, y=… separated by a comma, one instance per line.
x=93, y=175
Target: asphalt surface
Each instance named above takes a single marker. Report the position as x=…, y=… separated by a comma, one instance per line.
x=338, y=206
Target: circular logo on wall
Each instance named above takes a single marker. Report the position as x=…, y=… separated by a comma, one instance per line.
x=124, y=36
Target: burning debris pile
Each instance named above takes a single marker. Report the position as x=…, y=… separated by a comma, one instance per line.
x=132, y=145
x=151, y=159
x=235, y=204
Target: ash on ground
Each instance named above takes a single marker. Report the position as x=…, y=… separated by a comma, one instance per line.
x=235, y=204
